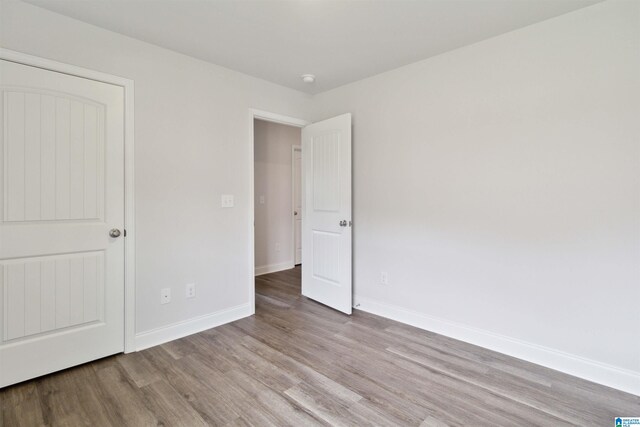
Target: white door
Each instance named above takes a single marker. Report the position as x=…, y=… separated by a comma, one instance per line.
x=297, y=204
x=326, y=235
x=61, y=274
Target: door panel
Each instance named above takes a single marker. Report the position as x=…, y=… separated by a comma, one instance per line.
x=326, y=263
x=61, y=275
x=53, y=292
x=52, y=155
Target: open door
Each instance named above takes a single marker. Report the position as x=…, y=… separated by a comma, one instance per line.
x=326, y=236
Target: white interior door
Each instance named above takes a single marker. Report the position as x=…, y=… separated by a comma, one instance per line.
x=297, y=204
x=62, y=191
x=326, y=235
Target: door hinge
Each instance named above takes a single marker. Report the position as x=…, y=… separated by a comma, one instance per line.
x=125, y=232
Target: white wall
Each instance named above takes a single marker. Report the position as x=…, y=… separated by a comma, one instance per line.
x=193, y=143
x=273, y=182
x=499, y=187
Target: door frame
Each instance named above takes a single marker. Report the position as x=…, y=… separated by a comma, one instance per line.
x=129, y=200
x=274, y=118
x=294, y=148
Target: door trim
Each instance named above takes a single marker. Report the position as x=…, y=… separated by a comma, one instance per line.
x=294, y=148
x=269, y=117
x=129, y=200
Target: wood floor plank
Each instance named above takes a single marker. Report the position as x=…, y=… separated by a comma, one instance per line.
x=26, y=413
x=498, y=382
x=139, y=369
x=210, y=401
x=303, y=372
x=299, y=363
x=414, y=378
x=412, y=385
x=169, y=407
x=433, y=422
x=281, y=408
x=72, y=395
x=299, y=348
x=123, y=398
x=180, y=348
x=239, y=399
x=471, y=352
x=238, y=422
x=260, y=369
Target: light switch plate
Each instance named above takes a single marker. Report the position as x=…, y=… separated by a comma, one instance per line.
x=227, y=201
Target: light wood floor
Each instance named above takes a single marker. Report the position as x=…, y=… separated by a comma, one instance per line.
x=299, y=363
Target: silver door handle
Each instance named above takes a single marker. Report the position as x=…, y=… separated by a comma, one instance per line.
x=114, y=232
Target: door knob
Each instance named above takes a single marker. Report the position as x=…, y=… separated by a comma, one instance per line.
x=343, y=223
x=295, y=212
x=114, y=232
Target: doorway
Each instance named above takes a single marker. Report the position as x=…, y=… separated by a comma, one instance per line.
x=326, y=234
x=277, y=196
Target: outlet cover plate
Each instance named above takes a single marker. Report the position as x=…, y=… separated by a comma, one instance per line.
x=226, y=201
x=165, y=296
x=190, y=290
x=384, y=278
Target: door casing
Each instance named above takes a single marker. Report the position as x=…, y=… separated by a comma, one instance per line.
x=129, y=200
x=294, y=218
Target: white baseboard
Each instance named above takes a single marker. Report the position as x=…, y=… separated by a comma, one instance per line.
x=601, y=373
x=272, y=268
x=188, y=327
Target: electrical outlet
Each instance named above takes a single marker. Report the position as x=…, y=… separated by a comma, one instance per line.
x=190, y=290
x=226, y=200
x=262, y=200
x=384, y=278
x=165, y=296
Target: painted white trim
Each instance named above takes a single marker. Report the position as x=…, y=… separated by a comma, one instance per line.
x=129, y=222
x=272, y=268
x=129, y=168
x=61, y=67
x=270, y=117
x=192, y=326
x=294, y=148
x=278, y=118
x=591, y=370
